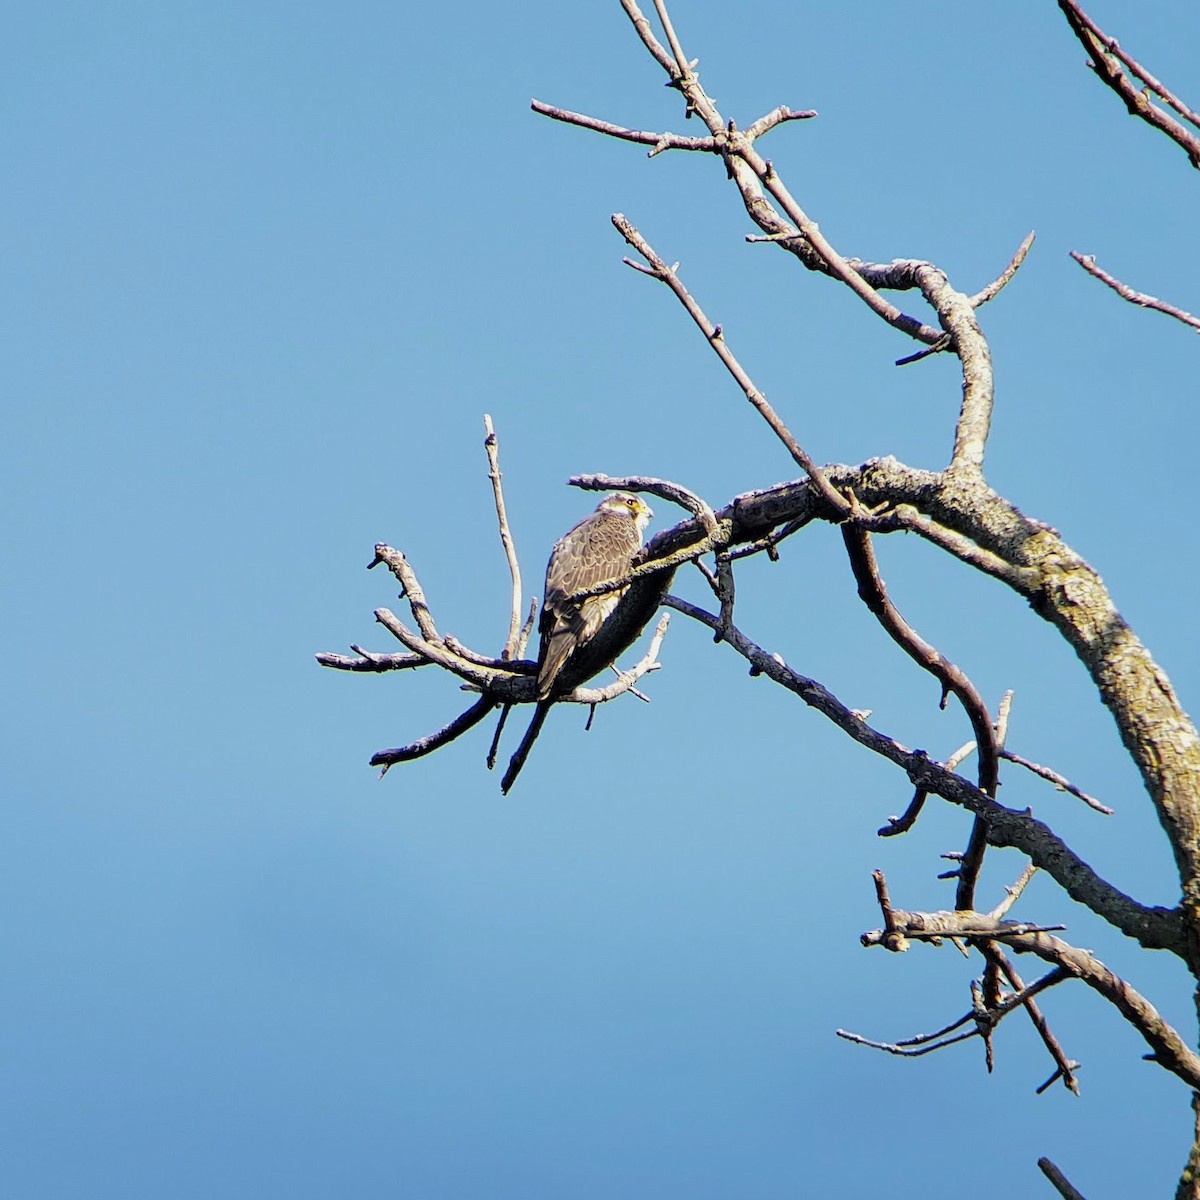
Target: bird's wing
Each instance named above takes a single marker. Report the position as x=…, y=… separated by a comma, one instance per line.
x=599, y=548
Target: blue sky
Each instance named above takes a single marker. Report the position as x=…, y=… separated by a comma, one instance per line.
x=266, y=266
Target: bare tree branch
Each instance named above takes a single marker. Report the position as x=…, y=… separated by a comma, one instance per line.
x=1158, y=928
x=952, y=509
x=777, y=116
x=411, y=589
x=1059, y=781
x=716, y=339
x=873, y=593
x=902, y=824
x=986, y=1019
x=659, y=141
x=1061, y=1184
x=1064, y=1068
x=370, y=662
x=510, y=550
x=431, y=742
x=994, y=288
x=591, y=696
x=1169, y=1049
x=1088, y=263
x=1107, y=59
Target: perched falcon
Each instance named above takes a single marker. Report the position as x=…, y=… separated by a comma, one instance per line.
x=599, y=548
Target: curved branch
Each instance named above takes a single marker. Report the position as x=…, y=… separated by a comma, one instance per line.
x=874, y=595
x=431, y=742
x=1155, y=928
x=411, y=589
x=994, y=288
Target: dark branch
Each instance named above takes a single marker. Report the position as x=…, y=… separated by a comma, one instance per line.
x=431, y=742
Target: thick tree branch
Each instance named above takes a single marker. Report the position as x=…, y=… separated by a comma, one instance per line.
x=1067, y=592
x=1061, y=587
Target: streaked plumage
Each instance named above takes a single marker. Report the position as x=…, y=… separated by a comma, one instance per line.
x=599, y=548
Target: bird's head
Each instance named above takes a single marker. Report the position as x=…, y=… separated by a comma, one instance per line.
x=626, y=504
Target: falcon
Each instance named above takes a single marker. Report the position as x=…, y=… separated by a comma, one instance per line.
x=599, y=548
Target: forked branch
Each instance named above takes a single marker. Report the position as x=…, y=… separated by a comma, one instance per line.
x=1111, y=65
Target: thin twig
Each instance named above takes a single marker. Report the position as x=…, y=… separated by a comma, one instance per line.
x=1088, y=263
x=527, y=628
x=943, y=343
x=676, y=493
x=510, y=550
x=715, y=337
x=993, y=288
x=1012, y=892
x=1065, y=1068
x=900, y=1048
x=752, y=173
x=892, y=938
x=494, y=748
x=906, y=518
x=777, y=116
x=1059, y=781
x=985, y=1019
x=770, y=543
x=672, y=40
x=726, y=593
x=658, y=141
x=513, y=665
x=1002, y=712
x=400, y=567
x=479, y=674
